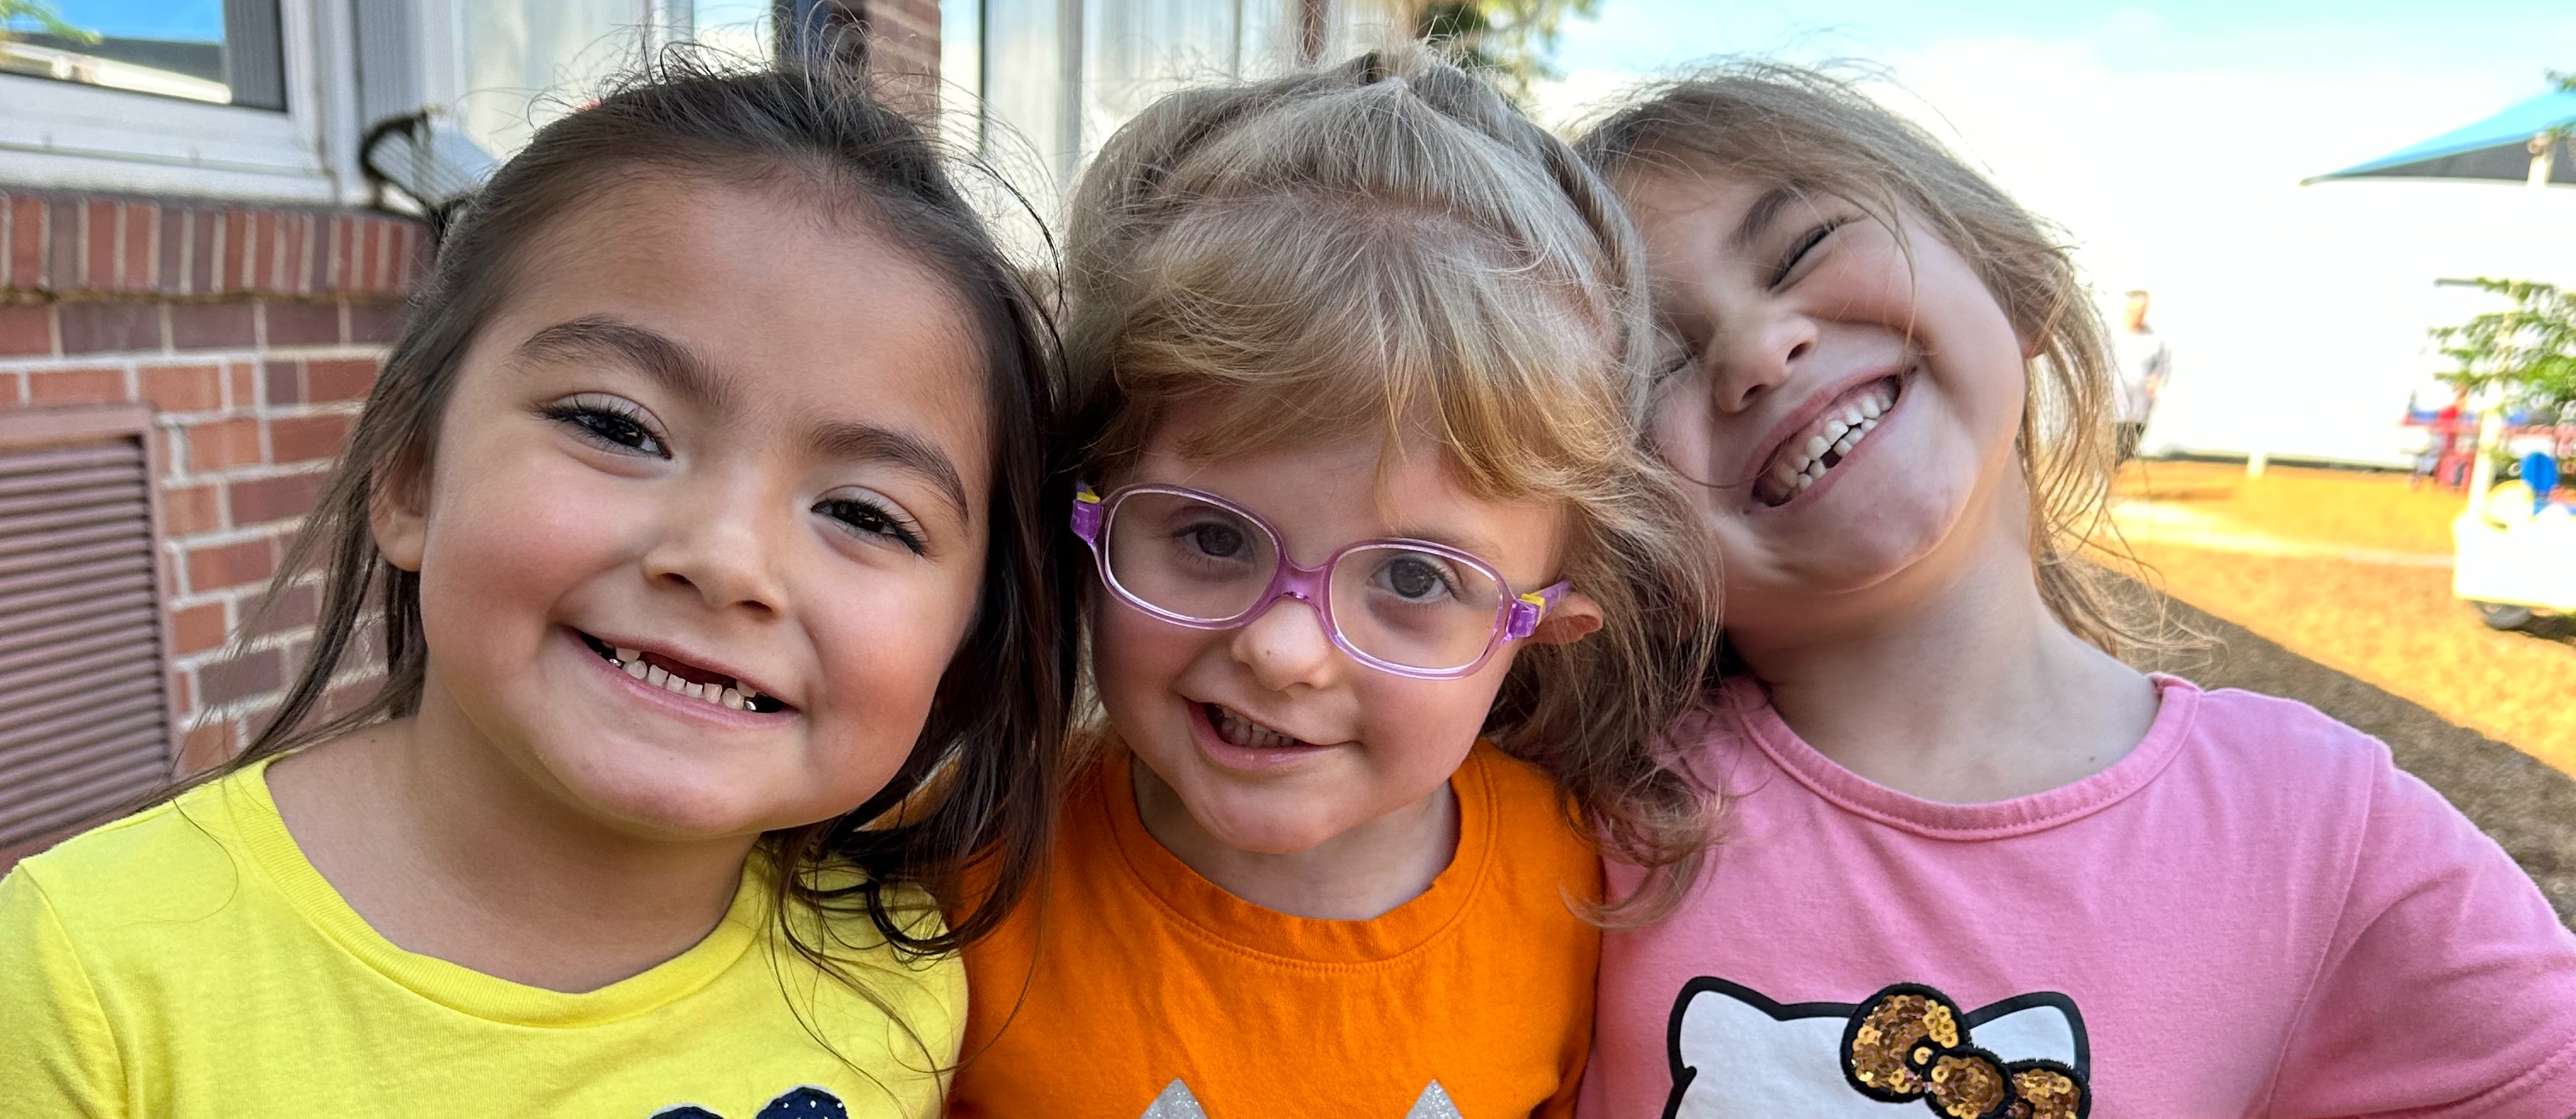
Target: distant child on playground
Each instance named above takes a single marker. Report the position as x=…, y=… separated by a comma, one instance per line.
x=1971, y=861
x=692, y=527
x=1390, y=610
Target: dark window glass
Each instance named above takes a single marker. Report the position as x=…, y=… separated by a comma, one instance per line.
x=223, y=51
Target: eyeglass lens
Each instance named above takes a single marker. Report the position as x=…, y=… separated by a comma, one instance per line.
x=1407, y=606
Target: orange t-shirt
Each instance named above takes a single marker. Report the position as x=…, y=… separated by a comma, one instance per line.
x=1158, y=995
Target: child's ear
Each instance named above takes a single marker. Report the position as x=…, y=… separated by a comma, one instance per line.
x=1574, y=618
x=398, y=516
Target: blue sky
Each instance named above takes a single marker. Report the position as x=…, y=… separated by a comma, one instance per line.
x=198, y=20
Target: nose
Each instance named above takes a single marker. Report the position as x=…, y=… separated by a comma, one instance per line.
x=1753, y=355
x=1285, y=646
x=717, y=541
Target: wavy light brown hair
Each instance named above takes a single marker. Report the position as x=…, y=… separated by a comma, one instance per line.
x=1780, y=125
x=1388, y=245
x=988, y=761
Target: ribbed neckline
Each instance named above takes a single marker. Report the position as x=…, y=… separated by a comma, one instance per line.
x=261, y=831
x=1227, y=921
x=1748, y=703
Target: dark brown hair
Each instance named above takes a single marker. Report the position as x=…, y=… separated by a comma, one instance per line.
x=979, y=786
x=1387, y=243
x=1776, y=124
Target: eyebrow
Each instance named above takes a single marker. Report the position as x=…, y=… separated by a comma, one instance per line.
x=1760, y=215
x=900, y=449
x=666, y=360
x=1464, y=542
x=679, y=369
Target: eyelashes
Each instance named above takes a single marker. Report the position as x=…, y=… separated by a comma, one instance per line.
x=609, y=423
x=863, y=516
x=1798, y=252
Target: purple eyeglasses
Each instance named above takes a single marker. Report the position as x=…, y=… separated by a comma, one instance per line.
x=1410, y=607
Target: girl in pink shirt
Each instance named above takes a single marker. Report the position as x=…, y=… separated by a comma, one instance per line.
x=1972, y=862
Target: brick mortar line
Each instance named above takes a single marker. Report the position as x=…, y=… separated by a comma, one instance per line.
x=332, y=351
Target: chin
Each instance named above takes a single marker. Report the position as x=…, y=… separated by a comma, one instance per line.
x=1861, y=547
x=672, y=799
x=1267, y=833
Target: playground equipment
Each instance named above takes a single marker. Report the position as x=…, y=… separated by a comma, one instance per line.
x=2515, y=546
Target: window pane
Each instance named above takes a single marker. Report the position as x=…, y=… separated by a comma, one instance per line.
x=961, y=72
x=739, y=28
x=221, y=51
x=1143, y=49
x=526, y=64
x=1026, y=129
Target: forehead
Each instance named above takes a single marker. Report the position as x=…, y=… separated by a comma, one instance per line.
x=1688, y=192
x=814, y=316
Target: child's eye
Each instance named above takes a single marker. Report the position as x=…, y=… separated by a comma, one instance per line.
x=1417, y=578
x=866, y=517
x=1672, y=359
x=613, y=424
x=1217, y=541
x=1805, y=245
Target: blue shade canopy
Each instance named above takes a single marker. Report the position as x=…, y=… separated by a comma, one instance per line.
x=2494, y=148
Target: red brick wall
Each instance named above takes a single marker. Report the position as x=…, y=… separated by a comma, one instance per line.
x=253, y=333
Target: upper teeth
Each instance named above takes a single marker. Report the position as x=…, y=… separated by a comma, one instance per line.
x=631, y=660
x=1838, y=432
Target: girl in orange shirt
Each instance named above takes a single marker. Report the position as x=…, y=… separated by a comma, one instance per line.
x=1389, y=607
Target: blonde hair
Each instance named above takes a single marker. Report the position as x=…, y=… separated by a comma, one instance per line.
x=1388, y=245
x=1780, y=125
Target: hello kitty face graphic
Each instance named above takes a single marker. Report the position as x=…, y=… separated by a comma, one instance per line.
x=1904, y=1050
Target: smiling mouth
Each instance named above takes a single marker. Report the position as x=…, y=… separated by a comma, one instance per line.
x=1805, y=458
x=1237, y=730
x=681, y=678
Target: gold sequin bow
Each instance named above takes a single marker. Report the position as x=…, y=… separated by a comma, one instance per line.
x=1910, y=1042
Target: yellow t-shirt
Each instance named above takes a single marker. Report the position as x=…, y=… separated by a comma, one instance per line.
x=189, y=963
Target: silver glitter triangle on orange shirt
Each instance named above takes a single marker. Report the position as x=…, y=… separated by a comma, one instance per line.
x=1176, y=1102
x=1434, y=1104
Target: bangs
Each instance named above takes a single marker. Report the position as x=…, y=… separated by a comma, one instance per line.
x=1365, y=317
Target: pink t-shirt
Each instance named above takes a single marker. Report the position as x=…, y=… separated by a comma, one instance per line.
x=2255, y=913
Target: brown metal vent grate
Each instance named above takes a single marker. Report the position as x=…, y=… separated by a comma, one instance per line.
x=84, y=724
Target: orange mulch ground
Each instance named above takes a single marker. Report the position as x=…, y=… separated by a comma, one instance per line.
x=2393, y=624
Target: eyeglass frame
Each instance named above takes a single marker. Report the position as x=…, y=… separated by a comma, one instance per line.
x=1516, y=617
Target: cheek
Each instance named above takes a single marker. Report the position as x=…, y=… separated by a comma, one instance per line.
x=1134, y=657
x=1680, y=428
x=1437, y=721
x=882, y=641
x=1985, y=355
x=508, y=538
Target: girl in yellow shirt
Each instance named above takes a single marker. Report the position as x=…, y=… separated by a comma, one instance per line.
x=689, y=534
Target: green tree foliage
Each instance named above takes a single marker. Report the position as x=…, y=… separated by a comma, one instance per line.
x=44, y=16
x=1509, y=40
x=2524, y=354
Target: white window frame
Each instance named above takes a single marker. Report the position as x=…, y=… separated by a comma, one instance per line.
x=57, y=135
